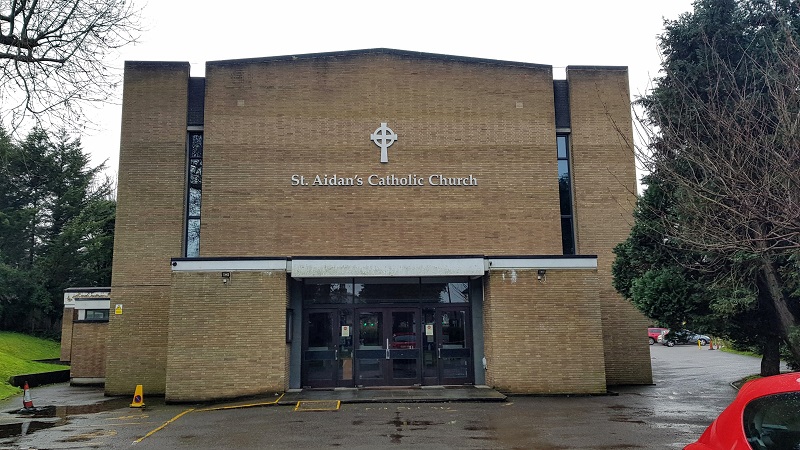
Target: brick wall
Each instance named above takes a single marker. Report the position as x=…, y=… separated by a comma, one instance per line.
x=89, y=353
x=149, y=224
x=265, y=121
x=69, y=316
x=605, y=194
x=226, y=340
x=544, y=337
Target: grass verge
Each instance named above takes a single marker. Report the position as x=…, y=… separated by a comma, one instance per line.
x=729, y=349
x=18, y=353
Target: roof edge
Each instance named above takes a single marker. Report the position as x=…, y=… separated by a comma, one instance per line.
x=88, y=289
x=610, y=68
x=379, y=51
x=180, y=64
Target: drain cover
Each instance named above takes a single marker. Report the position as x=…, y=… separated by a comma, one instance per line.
x=318, y=405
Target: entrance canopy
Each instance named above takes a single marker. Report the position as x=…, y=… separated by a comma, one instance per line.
x=384, y=266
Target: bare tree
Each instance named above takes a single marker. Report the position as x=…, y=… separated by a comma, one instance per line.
x=729, y=147
x=53, y=57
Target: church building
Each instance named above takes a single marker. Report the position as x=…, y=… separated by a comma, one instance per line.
x=372, y=218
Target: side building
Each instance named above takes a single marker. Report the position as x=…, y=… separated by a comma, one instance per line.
x=372, y=218
x=84, y=333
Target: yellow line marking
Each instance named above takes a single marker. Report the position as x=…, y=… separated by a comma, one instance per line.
x=162, y=426
x=143, y=416
x=248, y=405
x=128, y=423
x=298, y=406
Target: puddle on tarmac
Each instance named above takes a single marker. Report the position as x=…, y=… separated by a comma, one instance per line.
x=66, y=411
x=60, y=413
x=618, y=407
x=484, y=438
x=408, y=425
x=24, y=428
x=400, y=423
x=623, y=419
x=619, y=447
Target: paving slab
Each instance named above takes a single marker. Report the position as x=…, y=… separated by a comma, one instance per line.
x=432, y=394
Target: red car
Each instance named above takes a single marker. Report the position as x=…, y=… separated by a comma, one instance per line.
x=404, y=340
x=765, y=415
x=653, y=333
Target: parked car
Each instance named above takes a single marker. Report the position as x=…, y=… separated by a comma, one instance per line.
x=684, y=337
x=653, y=333
x=404, y=340
x=765, y=415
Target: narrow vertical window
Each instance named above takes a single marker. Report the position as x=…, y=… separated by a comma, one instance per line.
x=194, y=193
x=565, y=195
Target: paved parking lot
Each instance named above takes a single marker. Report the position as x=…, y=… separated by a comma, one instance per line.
x=691, y=388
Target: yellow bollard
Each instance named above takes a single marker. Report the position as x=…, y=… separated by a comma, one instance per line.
x=138, y=397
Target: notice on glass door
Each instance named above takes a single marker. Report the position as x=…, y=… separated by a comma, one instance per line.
x=345, y=330
x=429, y=329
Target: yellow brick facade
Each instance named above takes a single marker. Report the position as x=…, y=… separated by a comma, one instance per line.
x=222, y=333
x=267, y=122
x=84, y=333
x=67, y=320
x=542, y=336
x=89, y=356
x=604, y=183
x=149, y=223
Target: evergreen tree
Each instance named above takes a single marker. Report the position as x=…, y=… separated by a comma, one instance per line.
x=717, y=242
x=56, y=227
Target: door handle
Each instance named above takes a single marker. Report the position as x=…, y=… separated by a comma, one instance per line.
x=387, y=348
x=336, y=354
x=439, y=352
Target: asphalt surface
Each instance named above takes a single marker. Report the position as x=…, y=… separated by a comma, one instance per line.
x=692, y=386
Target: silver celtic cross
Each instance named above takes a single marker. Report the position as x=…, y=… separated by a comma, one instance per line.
x=383, y=137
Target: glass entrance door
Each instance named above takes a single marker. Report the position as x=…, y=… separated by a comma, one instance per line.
x=370, y=353
x=387, y=347
x=447, y=347
x=426, y=343
x=328, y=348
x=454, y=346
x=387, y=350
x=375, y=331
x=404, y=361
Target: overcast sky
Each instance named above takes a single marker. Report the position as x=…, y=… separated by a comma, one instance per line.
x=557, y=33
